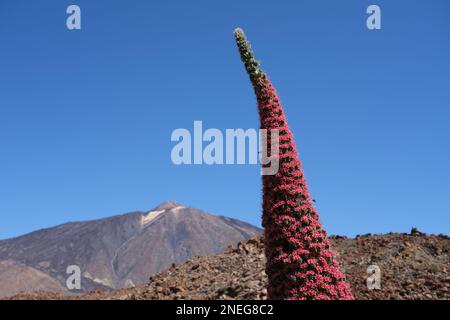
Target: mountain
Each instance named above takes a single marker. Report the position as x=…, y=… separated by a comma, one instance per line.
x=115, y=252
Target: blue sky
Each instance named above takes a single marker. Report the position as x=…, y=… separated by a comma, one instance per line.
x=86, y=116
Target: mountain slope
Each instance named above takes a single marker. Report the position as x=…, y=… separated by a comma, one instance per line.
x=124, y=250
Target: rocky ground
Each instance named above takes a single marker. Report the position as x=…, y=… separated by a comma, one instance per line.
x=413, y=266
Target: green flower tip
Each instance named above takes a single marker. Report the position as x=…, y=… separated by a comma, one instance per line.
x=247, y=56
x=239, y=33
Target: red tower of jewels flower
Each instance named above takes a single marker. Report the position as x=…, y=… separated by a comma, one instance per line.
x=300, y=263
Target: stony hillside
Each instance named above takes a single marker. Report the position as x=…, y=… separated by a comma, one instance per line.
x=413, y=266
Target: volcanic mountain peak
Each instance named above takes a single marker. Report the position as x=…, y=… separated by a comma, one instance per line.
x=118, y=251
x=165, y=207
x=168, y=205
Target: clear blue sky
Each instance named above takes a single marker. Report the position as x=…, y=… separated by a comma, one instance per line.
x=86, y=116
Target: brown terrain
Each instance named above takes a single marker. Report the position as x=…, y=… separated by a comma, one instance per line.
x=413, y=266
